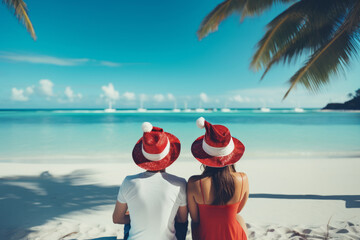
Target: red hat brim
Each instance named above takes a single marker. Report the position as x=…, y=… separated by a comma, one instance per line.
x=211, y=161
x=146, y=164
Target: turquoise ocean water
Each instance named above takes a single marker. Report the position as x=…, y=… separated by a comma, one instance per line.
x=69, y=136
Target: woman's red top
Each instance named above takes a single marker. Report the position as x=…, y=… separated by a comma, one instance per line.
x=218, y=222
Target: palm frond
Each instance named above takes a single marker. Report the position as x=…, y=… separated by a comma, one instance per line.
x=308, y=26
x=267, y=45
x=21, y=12
x=304, y=42
x=294, y=26
x=333, y=56
x=307, y=39
x=257, y=7
x=327, y=30
x=212, y=20
x=225, y=9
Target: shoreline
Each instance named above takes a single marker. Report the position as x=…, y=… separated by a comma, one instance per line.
x=208, y=110
x=49, y=201
x=117, y=158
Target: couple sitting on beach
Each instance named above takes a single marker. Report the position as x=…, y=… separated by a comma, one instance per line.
x=158, y=202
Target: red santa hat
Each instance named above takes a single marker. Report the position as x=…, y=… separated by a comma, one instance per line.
x=156, y=150
x=217, y=148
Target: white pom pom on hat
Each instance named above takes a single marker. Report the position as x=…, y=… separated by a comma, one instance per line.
x=200, y=122
x=146, y=127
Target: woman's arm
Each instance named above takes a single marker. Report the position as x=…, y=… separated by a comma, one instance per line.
x=119, y=215
x=192, y=205
x=242, y=223
x=245, y=185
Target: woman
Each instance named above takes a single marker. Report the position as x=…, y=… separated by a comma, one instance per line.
x=217, y=196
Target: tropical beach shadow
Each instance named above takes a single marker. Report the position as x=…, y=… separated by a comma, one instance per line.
x=26, y=201
x=351, y=201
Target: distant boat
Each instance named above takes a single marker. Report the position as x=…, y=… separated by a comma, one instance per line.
x=186, y=109
x=297, y=109
x=110, y=109
x=199, y=109
x=141, y=108
x=175, y=109
x=225, y=108
x=265, y=109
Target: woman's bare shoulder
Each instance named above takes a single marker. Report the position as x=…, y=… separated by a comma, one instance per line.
x=192, y=185
x=241, y=176
x=194, y=178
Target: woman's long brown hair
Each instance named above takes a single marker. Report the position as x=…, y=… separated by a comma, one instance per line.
x=222, y=182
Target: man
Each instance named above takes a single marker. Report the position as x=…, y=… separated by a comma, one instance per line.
x=155, y=199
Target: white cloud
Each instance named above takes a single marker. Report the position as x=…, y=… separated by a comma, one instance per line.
x=18, y=95
x=110, y=93
x=238, y=98
x=110, y=64
x=159, y=97
x=272, y=97
x=71, y=96
x=258, y=97
x=143, y=97
x=30, y=90
x=51, y=60
x=45, y=59
x=170, y=97
x=130, y=96
x=69, y=93
x=22, y=95
x=204, y=97
x=60, y=100
x=46, y=87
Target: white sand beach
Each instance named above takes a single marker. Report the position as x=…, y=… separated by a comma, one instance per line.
x=290, y=199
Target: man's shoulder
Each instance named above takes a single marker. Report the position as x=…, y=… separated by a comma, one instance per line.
x=130, y=178
x=175, y=179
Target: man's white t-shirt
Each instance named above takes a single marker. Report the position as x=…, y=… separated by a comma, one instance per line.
x=153, y=200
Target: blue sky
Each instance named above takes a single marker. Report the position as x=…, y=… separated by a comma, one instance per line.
x=88, y=52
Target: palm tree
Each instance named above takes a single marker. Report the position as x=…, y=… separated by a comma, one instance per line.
x=357, y=93
x=328, y=31
x=21, y=13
